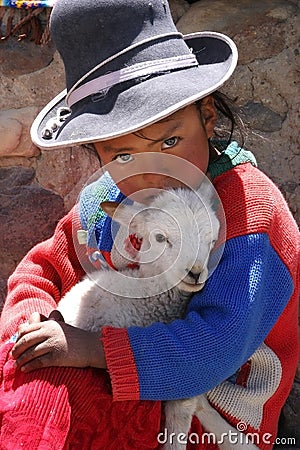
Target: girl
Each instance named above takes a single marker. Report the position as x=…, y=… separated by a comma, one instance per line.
x=137, y=88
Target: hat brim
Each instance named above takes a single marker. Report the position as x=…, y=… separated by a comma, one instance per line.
x=125, y=110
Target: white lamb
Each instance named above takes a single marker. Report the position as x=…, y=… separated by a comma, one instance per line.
x=178, y=230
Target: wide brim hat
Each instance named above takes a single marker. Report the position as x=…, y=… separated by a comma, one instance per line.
x=126, y=67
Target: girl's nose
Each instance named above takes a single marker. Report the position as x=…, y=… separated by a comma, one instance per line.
x=153, y=180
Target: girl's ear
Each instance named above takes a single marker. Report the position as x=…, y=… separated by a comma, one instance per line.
x=209, y=115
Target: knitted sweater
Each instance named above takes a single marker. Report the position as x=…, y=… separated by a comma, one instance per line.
x=239, y=337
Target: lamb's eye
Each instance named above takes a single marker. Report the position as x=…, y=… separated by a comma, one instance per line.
x=160, y=237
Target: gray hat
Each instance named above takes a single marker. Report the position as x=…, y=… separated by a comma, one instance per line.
x=127, y=67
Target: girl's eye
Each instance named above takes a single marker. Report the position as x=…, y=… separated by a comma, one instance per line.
x=168, y=143
x=124, y=158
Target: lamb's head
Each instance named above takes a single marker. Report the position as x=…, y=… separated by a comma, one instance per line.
x=190, y=228
x=178, y=231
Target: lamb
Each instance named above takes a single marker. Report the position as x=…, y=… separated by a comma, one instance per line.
x=178, y=230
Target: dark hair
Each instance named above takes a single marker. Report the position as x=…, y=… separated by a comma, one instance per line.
x=90, y=148
x=229, y=124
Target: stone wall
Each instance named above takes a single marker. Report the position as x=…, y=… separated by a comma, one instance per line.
x=38, y=187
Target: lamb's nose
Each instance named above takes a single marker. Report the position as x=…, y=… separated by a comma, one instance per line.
x=195, y=273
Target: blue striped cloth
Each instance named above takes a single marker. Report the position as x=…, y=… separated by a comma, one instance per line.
x=27, y=4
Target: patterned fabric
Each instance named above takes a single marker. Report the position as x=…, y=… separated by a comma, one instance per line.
x=233, y=156
x=27, y=4
x=92, y=218
x=68, y=408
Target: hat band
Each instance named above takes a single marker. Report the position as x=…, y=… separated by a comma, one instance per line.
x=120, y=53
x=146, y=68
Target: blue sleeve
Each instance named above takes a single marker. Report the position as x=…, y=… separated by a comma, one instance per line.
x=225, y=323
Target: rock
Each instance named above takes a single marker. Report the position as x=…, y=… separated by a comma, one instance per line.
x=275, y=81
x=257, y=27
x=10, y=130
x=65, y=171
x=3, y=292
x=20, y=58
x=32, y=89
x=240, y=87
x=262, y=118
x=29, y=214
x=14, y=130
x=178, y=8
x=14, y=178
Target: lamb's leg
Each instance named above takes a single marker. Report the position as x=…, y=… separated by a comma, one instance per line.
x=219, y=429
x=179, y=415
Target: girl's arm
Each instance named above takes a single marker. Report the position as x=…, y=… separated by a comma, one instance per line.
x=251, y=298
x=48, y=271
x=225, y=324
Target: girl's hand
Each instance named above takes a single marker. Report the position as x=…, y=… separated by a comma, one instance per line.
x=43, y=343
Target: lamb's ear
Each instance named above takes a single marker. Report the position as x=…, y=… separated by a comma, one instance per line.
x=206, y=190
x=207, y=193
x=109, y=208
x=121, y=213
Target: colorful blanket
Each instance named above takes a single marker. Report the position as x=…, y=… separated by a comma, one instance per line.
x=25, y=20
x=27, y=4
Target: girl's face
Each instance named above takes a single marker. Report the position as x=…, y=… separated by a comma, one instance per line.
x=132, y=158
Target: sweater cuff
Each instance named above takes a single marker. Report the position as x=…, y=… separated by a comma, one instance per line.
x=120, y=364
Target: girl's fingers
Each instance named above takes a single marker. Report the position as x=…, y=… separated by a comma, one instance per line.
x=34, y=318
x=39, y=362
x=37, y=317
x=26, y=341
x=27, y=327
x=27, y=358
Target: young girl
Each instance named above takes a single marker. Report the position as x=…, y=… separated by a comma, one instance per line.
x=137, y=87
